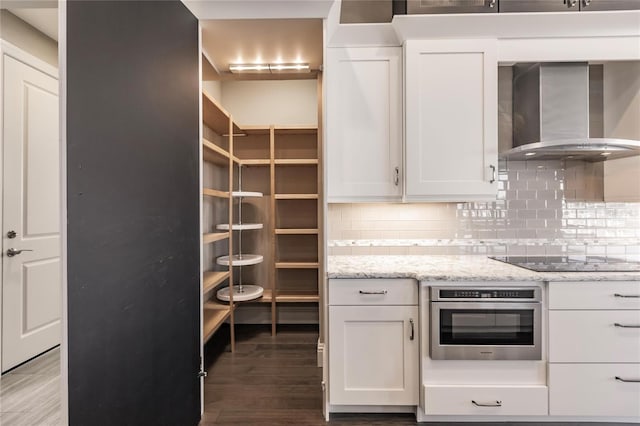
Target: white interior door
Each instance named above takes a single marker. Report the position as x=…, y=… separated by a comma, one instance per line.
x=31, y=280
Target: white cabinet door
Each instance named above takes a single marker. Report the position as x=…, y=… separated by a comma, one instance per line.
x=373, y=355
x=364, y=124
x=451, y=120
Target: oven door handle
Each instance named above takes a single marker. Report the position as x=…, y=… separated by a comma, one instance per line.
x=491, y=404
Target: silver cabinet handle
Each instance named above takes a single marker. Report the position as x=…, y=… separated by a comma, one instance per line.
x=491, y=404
x=493, y=173
x=572, y=3
x=373, y=292
x=627, y=296
x=396, y=177
x=412, y=329
x=625, y=326
x=13, y=252
x=492, y=3
x=586, y=3
x=620, y=379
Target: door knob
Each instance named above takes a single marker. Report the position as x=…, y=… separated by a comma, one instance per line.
x=11, y=234
x=13, y=252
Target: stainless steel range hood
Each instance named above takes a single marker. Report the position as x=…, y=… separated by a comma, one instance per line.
x=558, y=114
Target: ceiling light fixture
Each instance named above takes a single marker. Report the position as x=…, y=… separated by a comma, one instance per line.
x=529, y=154
x=269, y=68
x=285, y=68
x=249, y=68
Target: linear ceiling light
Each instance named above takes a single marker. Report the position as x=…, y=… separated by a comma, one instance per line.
x=269, y=68
x=249, y=68
x=287, y=68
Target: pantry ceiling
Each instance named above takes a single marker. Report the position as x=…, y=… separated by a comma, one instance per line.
x=261, y=41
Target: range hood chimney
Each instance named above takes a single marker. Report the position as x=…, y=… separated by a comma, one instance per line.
x=558, y=114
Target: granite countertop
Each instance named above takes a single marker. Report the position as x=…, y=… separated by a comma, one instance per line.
x=454, y=268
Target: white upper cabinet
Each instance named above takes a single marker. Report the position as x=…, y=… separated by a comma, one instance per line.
x=451, y=120
x=364, y=124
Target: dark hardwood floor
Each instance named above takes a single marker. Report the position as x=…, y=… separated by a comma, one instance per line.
x=275, y=381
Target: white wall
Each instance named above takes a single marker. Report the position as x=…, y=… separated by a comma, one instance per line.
x=279, y=102
x=213, y=88
x=22, y=35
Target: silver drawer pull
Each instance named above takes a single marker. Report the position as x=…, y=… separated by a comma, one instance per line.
x=413, y=334
x=625, y=326
x=627, y=296
x=620, y=379
x=373, y=292
x=491, y=404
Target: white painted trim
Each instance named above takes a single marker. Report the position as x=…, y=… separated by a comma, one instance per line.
x=518, y=25
x=258, y=9
x=579, y=49
x=200, y=212
x=2, y=50
x=320, y=353
x=64, y=346
x=328, y=26
x=22, y=56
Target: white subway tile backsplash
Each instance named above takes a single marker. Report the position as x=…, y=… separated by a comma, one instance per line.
x=535, y=213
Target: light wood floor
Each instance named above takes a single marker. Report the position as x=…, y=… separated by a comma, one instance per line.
x=30, y=394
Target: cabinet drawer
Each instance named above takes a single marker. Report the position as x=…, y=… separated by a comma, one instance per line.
x=513, y=400
x=595, y=295
x=592, y=390
x=592, y=336
x=399, y=291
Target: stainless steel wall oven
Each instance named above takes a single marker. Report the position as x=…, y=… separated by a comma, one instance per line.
x=482, y=323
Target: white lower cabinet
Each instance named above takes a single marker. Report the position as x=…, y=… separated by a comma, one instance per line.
x=594, y=390
x=594, y=349
x=373, y=348
x=486, y=400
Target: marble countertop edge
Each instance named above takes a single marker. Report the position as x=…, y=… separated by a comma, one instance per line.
x=460, y=268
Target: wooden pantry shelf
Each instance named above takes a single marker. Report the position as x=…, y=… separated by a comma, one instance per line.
x=296, y=231
x=254, y=162
x=296, y=130
x=295, y=161
x=212, y=153
x=301, y=297
x=215, y=193
x=296, y=196
x=212, y=278
x=215, y=116
x=214, y=236
x=255, y=130
x=297, y=265
x=266, y=297
x=212, y=319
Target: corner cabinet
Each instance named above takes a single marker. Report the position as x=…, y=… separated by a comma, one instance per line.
x=364, y=124
x=451, y=119
x=373, y=342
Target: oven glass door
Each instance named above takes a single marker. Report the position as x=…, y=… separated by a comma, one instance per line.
x=486, y=326
x=485, y=330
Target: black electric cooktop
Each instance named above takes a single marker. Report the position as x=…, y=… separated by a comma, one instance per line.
x=572, y=263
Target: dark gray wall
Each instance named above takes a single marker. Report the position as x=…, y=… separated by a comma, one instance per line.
x=133, y=219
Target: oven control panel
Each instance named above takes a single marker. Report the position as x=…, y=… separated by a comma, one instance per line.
x=452, y=293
